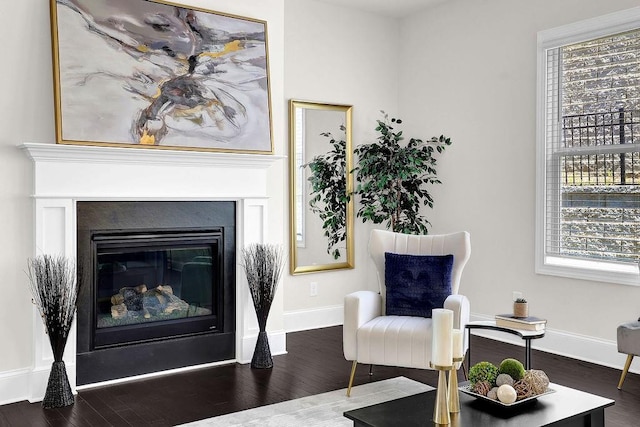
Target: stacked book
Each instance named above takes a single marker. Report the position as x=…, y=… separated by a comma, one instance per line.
x=530, y=323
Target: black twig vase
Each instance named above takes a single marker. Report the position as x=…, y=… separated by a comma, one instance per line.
x=262, y=264
x=58, y=394
x=262, y=353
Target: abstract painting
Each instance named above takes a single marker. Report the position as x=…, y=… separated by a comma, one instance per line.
x=140, y=73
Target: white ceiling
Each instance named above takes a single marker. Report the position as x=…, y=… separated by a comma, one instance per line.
x=395, y=8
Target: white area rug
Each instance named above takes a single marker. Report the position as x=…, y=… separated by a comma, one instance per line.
x=324, y=409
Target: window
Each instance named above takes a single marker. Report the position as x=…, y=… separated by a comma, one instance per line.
x=588, y=219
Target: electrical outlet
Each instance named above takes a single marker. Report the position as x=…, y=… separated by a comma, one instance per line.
x=516, y=295
x=313, y=289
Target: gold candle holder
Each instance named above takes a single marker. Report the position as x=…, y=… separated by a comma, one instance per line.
x=455, y=420
x=441, y=408
x=454, y=394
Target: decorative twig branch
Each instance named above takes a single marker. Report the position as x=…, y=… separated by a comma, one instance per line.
x=263, y=264
x=55, y=287
x=55, y=291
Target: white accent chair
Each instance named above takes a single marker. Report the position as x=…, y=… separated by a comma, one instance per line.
x=372, y=338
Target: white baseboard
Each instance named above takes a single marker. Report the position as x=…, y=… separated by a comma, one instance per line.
x=28, y=384
x=576, y=346
x=14, y=386
x=303, y=320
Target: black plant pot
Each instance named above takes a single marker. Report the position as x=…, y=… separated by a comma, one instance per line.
x=262, y=354
x=58, y=394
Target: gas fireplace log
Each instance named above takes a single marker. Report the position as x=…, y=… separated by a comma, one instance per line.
x=129, y=301
x=117, y=299
x=118, y=311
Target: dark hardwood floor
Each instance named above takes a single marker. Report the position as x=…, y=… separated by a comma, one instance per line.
x=314, y=364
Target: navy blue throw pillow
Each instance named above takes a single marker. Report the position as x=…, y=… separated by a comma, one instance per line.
x=416, y=284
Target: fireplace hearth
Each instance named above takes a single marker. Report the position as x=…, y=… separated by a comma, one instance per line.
x=158, y=286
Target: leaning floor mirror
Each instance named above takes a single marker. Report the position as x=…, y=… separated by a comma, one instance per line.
x=321, y=209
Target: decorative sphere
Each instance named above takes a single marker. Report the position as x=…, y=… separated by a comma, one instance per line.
x=513, y=367
x=493, y=393
x=537, y=380
x=483, y=371
x=504, y=379
x=523, y=390
x=506, y=394
x=482, y=387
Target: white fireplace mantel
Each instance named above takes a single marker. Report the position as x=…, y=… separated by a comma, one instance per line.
x=65, y=174
x=98, y=171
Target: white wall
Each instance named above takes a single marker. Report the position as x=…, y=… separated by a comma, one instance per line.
x=341, y=56
x=469, y=70
x=26, y=104
x=27, y=115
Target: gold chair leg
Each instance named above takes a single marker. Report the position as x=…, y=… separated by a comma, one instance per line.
x=353, y=374
x=626, y=369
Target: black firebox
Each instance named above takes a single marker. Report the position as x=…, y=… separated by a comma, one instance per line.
x=155, y=284
x=157, y=287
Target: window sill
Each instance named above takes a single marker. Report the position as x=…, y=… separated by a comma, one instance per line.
x=623, y=274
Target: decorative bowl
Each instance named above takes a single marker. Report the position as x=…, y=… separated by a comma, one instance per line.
x=466, y=389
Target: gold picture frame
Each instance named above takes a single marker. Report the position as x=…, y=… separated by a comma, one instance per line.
x=320, y=209
x=155, y=74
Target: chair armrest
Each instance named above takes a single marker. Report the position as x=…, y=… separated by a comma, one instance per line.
x=359, y=308
x=459, y=304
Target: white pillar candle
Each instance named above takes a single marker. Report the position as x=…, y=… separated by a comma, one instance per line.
x=457, y=344
x=442, y=338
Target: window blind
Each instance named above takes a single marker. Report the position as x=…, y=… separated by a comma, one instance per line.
x=592, y=149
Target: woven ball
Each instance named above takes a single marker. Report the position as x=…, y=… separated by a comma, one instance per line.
x=504, y=379
x=482, y=387
x=537, y=380
x=523, y=390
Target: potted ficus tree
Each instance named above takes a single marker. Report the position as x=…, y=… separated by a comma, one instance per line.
x=392, y=176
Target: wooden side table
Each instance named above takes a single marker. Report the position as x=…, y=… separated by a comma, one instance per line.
x=527, y=336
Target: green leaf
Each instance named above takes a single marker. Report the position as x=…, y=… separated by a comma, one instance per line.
x=392, y=177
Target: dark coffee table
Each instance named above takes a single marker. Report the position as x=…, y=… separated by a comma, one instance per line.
x=565, y=407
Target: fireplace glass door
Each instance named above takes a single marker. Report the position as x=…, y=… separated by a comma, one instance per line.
x=154, y=285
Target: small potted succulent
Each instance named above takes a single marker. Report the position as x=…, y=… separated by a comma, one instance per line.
x=520, y=308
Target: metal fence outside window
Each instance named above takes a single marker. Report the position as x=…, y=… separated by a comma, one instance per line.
x=600, y=191
x=601, y=129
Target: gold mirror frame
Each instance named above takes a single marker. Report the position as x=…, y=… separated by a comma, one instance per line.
x=309, y=246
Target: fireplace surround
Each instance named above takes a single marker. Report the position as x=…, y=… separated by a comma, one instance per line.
x=66, y=175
